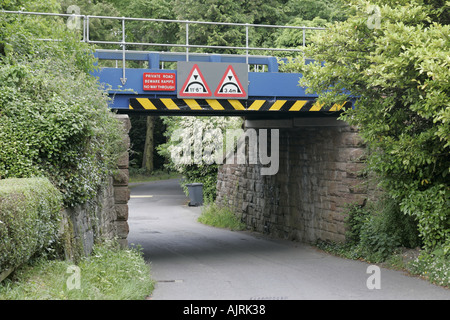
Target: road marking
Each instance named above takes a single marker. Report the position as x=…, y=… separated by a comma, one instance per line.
x=143, y=196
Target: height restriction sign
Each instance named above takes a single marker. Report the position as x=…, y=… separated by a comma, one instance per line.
x=230, y=86
x=213, y=80
x=195, y=85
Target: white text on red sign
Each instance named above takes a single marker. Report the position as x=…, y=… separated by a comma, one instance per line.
x=159, y=82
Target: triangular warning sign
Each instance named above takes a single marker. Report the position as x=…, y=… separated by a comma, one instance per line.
x=230, y=86
x=195, y=85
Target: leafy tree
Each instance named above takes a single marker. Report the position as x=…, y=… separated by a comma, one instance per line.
x=311, y=9
x=293, y=38
x=309, y=13
x=54, y=120
x=215, y=11
x=228, y=11
x=391, y=58
x=193, y=145
x=152, y=32
x=99, y=29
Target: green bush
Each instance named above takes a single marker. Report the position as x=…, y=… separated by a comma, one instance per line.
x=355, y=219
x=397, y=75
x=30, y=211
x=54, y=120
x=431, y=207
x=378, y=229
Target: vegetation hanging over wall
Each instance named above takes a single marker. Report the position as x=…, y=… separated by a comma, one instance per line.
x=392, y=58
x=54, y=120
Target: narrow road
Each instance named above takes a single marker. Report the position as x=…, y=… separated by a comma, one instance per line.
x=191, y=261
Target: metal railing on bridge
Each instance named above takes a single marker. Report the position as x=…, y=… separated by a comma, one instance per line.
x=82, y=22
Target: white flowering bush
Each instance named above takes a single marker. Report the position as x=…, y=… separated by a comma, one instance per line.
x=197, y=140
x=434, y=267
x=195, y=146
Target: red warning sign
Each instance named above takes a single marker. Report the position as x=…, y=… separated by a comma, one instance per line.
x=195, y=85
x=230, y=86
x=159, y=81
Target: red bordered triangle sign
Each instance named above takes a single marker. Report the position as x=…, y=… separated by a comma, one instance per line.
x=195, y=85
x=230, y=86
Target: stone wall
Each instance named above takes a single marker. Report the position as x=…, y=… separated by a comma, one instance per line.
x=121, y=190
x=319, y=174
x=106, y=215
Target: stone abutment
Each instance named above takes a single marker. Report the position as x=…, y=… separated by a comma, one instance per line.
x=320, y=164
x=105, y=216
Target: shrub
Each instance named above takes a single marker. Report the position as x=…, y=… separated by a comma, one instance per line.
x=54, y=122
x=355, y=220
x=378, y=229
x=431, y=207
x=205, y=174
x=434, y=266
x=30, y=211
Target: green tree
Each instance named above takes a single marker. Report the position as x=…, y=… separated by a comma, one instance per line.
x=293, y=38
x=309, y=13
x=99, y=29
x=152, y=32
x=311, y=9
x=229, y=11
x=391, y=58
x=193, y=145
x=214, y=11
x=54, y=120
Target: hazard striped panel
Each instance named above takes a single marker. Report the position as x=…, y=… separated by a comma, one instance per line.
x=168, y=104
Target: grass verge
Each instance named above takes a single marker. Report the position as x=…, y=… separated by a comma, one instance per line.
x=109, y=273
x=220, y=217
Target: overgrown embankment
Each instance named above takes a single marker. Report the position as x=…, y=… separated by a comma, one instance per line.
x=394, y=64
x=56, y=131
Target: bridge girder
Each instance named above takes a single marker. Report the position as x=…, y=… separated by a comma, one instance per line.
x=270, y=94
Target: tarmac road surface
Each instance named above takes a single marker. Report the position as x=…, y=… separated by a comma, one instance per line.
x=192, y=261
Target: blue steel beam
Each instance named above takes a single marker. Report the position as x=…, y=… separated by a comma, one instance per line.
x=262, y=85
x=267, y=91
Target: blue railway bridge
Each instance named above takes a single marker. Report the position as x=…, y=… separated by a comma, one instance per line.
x=320, y=157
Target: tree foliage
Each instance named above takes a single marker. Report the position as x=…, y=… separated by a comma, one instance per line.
x=54, y=120
x=397, y=72
x=194, y=146
x=263, y=12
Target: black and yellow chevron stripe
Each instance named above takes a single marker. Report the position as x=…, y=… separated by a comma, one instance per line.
x=169, y=104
